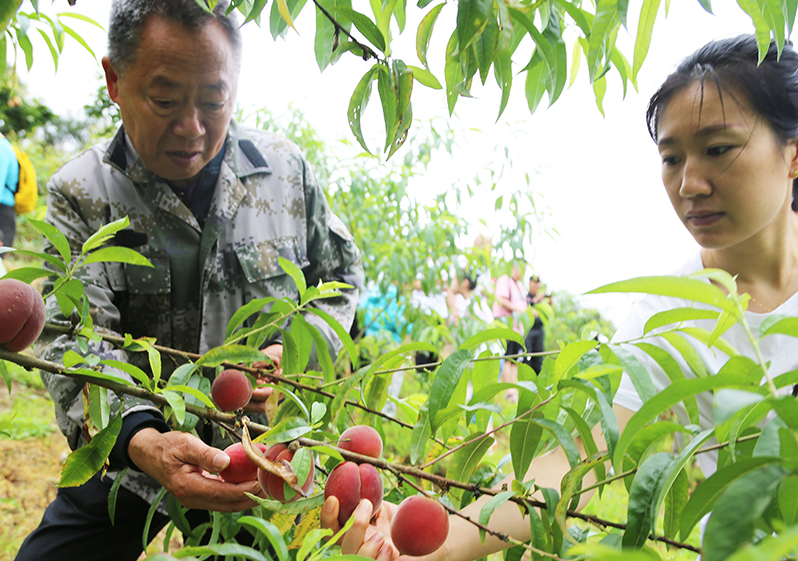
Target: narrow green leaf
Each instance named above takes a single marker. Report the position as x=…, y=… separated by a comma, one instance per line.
x=358, y=103
x=732, y=523
x=472, y=17
x=643, y=496
x=178, y=405
x=503, y=72
x=677, y=315
x=675, y=500
x=420, y=436
x=221, y=549
x=637, y=373
x=675, y=287
x=666, y=399
x=117, y=254
x=87, y=460
x=487, y=511
x=563, y=437
x=446, y=380
x=645, y=26
x=27, y=274
x=425, y=77
x=570, y=355
x=706, y=495
x=102, y=235
x=99, y=408
x=525, y=435
x=788, y=491
x=113, y=493
x=233, y=354
x=295, y=273
x=363, y=24
x=269, y=530
x=465, y=461
x=251, y=307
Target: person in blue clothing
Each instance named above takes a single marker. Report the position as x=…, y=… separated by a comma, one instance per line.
x=9, y=177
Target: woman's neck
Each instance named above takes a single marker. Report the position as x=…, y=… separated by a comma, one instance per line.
x=765, y=267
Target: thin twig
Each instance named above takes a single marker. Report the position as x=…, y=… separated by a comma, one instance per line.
x=480, y=437
x=367, y=52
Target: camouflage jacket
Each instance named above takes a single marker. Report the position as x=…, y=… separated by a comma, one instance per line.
x=267, y=203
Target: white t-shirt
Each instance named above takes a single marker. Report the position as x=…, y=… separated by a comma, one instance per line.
x=781, y=351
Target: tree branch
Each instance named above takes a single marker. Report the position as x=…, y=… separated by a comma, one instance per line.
x=367, y=51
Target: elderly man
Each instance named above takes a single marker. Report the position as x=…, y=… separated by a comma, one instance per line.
x=212, y=206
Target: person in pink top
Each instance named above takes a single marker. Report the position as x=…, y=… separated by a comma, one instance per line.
x=510, y=302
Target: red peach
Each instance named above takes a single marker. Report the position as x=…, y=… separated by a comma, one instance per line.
x=349, y=483
x=240, y=468
x=420, y=526
x=361, y=439
x=273, y=485
x=231, y=390
x=21, y=314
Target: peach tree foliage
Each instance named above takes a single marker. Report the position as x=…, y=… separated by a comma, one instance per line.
x=545, y=43
x=752, y=495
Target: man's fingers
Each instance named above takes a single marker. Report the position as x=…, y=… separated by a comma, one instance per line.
x=329, y=514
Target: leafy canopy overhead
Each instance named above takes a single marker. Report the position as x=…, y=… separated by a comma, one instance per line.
x=485, y=37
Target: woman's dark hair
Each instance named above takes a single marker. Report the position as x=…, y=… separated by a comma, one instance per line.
x=770, y=86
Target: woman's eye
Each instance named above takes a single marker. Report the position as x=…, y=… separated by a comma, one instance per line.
x=717, y=150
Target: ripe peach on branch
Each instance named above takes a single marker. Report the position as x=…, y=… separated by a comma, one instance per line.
x=361, y=439
x=231, y=390
x=419, y=526
x=349, y=483
x=21, y=314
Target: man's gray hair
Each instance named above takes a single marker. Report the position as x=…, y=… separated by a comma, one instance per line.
x=128, y=17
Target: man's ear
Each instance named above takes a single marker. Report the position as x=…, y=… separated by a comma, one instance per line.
x=111, y=79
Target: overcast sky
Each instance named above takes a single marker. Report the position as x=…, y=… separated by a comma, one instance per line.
x=599, y=176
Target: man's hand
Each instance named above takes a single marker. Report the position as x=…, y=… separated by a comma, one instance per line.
x=183, y=464
x=259, y=396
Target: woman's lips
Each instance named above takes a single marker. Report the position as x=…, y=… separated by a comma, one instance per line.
x=703, y=219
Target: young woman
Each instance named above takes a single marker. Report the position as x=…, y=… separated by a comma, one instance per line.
x=727, y=132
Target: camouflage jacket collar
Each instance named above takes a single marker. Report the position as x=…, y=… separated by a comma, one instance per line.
x=242, y=156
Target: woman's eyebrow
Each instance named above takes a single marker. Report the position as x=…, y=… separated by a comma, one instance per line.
x=702, y=132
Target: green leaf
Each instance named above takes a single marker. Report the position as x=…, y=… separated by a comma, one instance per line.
x=675, y=500
x=322, y=353
x=72, y=33
x=178, y=405
x=269, y=530
x=487, y=511
x=117, y=254
x=287, y=430
x=503, y=72
x=244, y=312
x=705, y=496
x=99, y=408
x=27, y=274
x=255, y=12
x=57, y=238
x=424, y=32
x=363, y=24
x=728, y=402
x=666, y=399
x=677, y=315
x=525, y=435
x=222, y=549
x=150, y=515
x=570, y=355
x=105, y=233
x=445, y=382
x=113, y=493
x=134, y=371
x=87, y=460
x=688, y=352
x=733, y=519
x=645, y=26
x=675, y=287
x=537, y=82
x=643, y=495
x=295, y=273
x=85, y=372
x=358, y=103
x=563, y=437
x=637, y=373
x=81, y=17
x=465, y=461
x=425, y=77
x=233, y=354
x=472, y=17
x=52, y=259
x=420, y=436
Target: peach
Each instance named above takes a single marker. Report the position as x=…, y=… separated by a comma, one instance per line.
x=273, y=485
x=420, y=526
x=361, y=439
x=231, y=390
x=21, y=314
x=349, y=483
x=240, y=468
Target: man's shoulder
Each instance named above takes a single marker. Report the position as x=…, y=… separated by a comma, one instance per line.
x=89, y=159
x=268, y=141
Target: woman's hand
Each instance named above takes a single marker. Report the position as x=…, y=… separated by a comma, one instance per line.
x=363, y=538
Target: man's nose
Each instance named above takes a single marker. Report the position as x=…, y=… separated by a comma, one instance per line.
x=189, y=124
